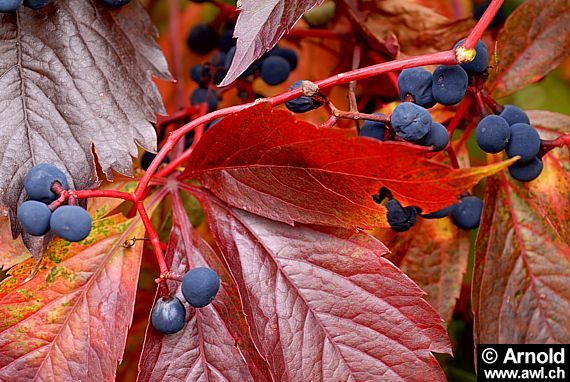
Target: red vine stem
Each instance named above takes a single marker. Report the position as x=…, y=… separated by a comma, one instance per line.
x=482, y=24
x=83, y=194
x=459, y=114
x=153, y=236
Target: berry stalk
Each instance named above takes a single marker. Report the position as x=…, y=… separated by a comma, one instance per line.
x=482, y=24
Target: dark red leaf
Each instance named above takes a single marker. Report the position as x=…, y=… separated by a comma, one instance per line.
x=76, y=79
x=522, y=259
x=534, y=40
x=325, y=308
x=550, y=124
x=215, y=343
x=434, y=254
x=266, y=162
x=260, y=25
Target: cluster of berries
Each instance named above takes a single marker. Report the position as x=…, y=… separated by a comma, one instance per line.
x=511, y=131
x=465, y=214
x=10, y=6
x=38, y=217
x=199, y=287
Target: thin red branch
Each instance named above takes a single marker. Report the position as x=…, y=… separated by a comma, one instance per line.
x=480, y=104
x=483, y=24
x=153, y=236
x=452, y=157
x=353, y=106
x=550, y=144
x=83, y=194
x=494, y=105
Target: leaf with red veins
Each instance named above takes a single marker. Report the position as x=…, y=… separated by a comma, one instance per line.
x=260, y=25
x=522, y=259
x=266, y=162
x=70, y=320
x=534, y=40
x=323, y=308
x=215, y=344
x=549, y=124
x=434, y=254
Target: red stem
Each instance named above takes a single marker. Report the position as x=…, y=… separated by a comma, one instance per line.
x=494, y=105
x=481, y=104
x=482, y=24
x=153, y=236
x=459, y=114
x=550, y=144
x=83, y=194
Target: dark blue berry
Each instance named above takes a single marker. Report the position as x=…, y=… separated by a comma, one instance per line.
x=288, y=54
x=9, y=6
x=449, y=84
x=147, y=159
x=492, y=134
x=202, y=39
x=400, y=218
x=218, y=59
x=114, y=3
x=524, y=142
x=275, y=70
x=417, y=82
x=201, y=95
x=513, y=114
x=440, y=213
x=410, y=121
x=373, y=129
x=481, y=61
x=525, y=172
x=168, y=316
x=39, y=180
x=226, y=41
x=467, y=213
x=71, y=223
x=302, y=104
x=201, y=74
x=438, y=137
x=36, y=4
x=200, y=286
x=34, y=217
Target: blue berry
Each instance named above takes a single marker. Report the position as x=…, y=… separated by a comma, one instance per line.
x=9, y=6
x=400, y=218
x=218, y=59
x=34, y=217
x=449, y=84
x=440, y=213
x=71, y=223
x=201, y=75
x=524, y=142
x=147, y=159
x=39, y=180
x=202, y=39
x=200, y=95
x=438, y=137
x=168, y=316
x=36, y=4
x=492, y=134
x=275, y=70
x=467, y=213
x=114, y=3
x=200, y=286
x=226, y=41
x=302, y=104
x=373, y=129
x=410, y=121
x=417, y=82
x=525, y=172
x=481, y=61
x=513, y=114
x=288, y=54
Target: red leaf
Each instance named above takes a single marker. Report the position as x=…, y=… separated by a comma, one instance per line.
x=266, y=162
x=260, y=25
x=534, y=40
x=434, y=254
x=323, y=308
x=215, y=343
x=70, y=321
x=522, y=260
x=550, y=124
